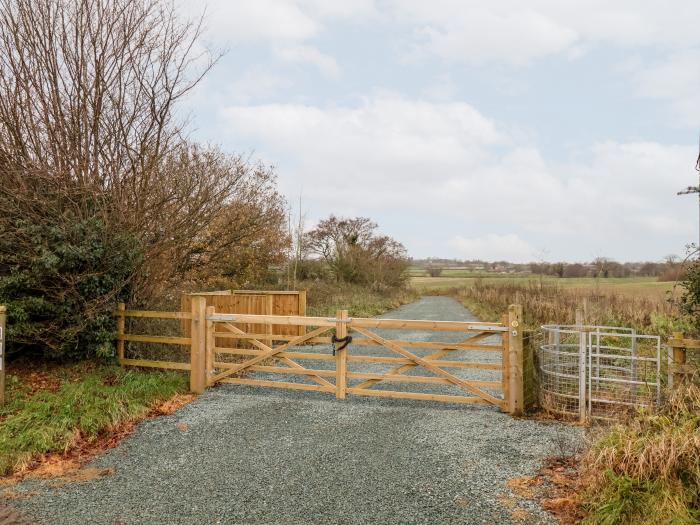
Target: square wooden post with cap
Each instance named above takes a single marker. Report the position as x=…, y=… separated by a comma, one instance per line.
x=516, y=390
x=341, y=356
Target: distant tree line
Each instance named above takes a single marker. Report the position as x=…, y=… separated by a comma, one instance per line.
x=670, y=269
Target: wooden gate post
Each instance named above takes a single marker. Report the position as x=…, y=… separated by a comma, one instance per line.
x=210, y=344
x=516, y=390
x=505, y=363
x=678, y=358
x=3, y=338
x=198, y=376
x=341, y=356
x=121, y=322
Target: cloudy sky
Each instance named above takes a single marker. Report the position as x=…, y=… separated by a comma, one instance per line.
x=500, y=129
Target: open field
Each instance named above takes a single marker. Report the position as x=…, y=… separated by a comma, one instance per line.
x=638, y=302
x=647, y=286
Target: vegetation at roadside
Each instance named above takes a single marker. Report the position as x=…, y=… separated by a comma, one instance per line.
x=104, y=198
x=550, y=301
x=74, y=405
x=647, y=470
x=360, y=301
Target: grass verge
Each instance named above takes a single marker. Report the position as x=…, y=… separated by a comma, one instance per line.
x=75, y=406
x=647, y=470
x=325, y=298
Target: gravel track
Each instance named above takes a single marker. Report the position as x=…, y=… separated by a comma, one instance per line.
x=249, y=455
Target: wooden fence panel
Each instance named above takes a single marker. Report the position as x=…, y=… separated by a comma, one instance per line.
x=253, y=302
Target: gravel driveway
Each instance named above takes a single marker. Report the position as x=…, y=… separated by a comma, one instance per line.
x=248, y=455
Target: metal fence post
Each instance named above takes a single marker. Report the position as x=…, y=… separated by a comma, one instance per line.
x=582, y=346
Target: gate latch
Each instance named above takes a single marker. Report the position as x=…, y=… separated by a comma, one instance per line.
x=344, y=342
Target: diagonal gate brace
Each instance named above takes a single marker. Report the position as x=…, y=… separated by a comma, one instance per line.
x=270, y=352
x=435, y=369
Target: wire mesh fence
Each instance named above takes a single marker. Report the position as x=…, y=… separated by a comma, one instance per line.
x=597, y=371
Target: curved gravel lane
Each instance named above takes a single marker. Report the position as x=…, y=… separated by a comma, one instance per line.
x=247, y=455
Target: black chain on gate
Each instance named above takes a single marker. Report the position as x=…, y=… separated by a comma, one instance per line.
x=345, y=341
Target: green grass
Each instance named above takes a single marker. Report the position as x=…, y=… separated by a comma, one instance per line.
x=81, y=408
x=623, y=285
x=647, y=469
x=325, y=298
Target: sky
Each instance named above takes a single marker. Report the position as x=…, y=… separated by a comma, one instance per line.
x=546, y=130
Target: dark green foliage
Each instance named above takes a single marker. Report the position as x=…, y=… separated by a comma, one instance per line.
x=60, y=281
x=690, y=300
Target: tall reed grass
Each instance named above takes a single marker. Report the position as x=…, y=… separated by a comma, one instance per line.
x=548, y=303
x=647, y=469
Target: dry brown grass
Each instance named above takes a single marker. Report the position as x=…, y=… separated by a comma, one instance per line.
x=647, y=470
x=546, y=302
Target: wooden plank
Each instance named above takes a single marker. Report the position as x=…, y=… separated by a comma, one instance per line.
x=209, y=349
x=301, y=309
x=505, y=363
x=121, y=308
x=369, y=342
x=249, y=336
x=516, y=401
x=678, y=359
x=442, y=352
x=446, y=326
x=269, y=300
x=267, y=351
x=171, y=365
x=162, y=339
x=341, y=356
x=276, y=384
x=680, y=342
x=435, y=369
x=282, y=370
x=198, y=378
x=291, y=355
x=364, y=359
x=397, y=378
x=264, y=292
x=417, y=395
x=152, y=314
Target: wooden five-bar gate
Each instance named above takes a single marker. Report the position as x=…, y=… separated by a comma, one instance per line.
x=244, y=349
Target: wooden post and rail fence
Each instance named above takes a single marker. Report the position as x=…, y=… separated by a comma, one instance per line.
x=209, y=359
x=207, y=328
x=680, y=371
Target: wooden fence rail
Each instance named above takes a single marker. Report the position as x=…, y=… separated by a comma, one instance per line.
x=276, y=352
x=679, y=369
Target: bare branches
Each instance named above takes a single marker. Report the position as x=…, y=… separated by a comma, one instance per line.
x=88, y=87
x=355, y=253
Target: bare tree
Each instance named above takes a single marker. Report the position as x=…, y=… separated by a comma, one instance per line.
x=354, y=252
x=99, y=183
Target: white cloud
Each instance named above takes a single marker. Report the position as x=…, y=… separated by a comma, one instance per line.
x=451, y=164
x=517, y=32
x=302, y=54
x=676, y=80
x=229, y=22
x=493, y=247
x=254, y=84
x=233, y=22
